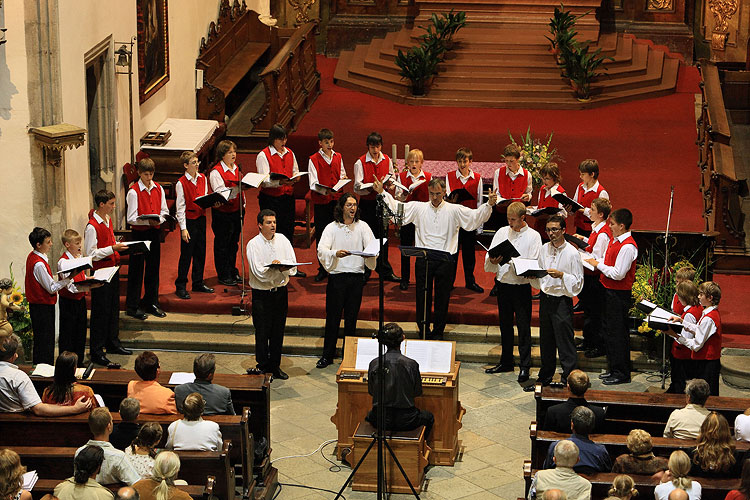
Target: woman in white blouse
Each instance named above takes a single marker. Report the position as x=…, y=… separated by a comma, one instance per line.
x=142, y=451
x=192, y=432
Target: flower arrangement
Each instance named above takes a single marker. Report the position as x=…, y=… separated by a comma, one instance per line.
x=535, y=154
x=19, y=317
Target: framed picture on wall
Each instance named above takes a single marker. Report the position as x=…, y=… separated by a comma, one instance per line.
x=153, y=47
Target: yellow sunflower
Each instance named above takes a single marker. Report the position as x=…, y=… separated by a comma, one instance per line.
x=16, y=298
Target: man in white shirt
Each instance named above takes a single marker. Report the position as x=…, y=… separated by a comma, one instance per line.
x=513, y=291
x=564, y=280
x=562, y=476
x=686, y=422
x=346, y=272
x=116, y=468
x=269, y=299
x=436, y=228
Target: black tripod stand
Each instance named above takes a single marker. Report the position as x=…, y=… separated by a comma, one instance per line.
x=384, y=216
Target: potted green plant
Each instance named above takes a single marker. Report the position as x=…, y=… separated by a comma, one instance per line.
x=19, y=318
x=417, y=65
x=582, y=67
x=443, y=27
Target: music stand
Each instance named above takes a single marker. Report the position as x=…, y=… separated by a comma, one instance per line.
x=429, y=255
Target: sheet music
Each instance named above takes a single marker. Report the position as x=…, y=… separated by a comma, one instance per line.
x=340, y=184
x=371, y=250
x=432, y=357
x=29, y=480
x=100, y=400
x=367, y=350
x=147, y=243
x=584, y=256
x=67, y=264
x=178, y=378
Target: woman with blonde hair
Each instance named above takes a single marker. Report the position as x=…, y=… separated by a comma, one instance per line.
x=161, y=485
x=11, y=476
x=677, y=477
x=192, y=432
x=641, y=459
x=623, y=487
x=714, y=454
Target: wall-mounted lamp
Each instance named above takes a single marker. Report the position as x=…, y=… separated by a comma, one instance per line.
x=124, y=59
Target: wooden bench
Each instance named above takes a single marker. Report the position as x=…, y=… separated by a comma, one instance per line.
x=196, y=491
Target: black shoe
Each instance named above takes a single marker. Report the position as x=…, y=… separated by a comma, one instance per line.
x=392, y=278
x=300, y=274
x=323, y=362
x=279, y=374
x=594, y=352
x=254, y=371
x=100, y=359
x=237, y=278
x=493, y=292
x=156, y=311
x=475, y=288
x=578, y=307
x=529, y=388
x=202, y=288
x=322, y=274
x=137, y=314
x=228, y=281
x=499, y=368
x=404, y=285
x=615, y=381
x=605, y=375
x=579, y=342
x=523, y=375
x=182, y=293
x=120, y=350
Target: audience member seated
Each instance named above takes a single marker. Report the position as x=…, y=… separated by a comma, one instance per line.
x=162, y=485
x=743, y=491
x=678, y=494
x=641, y=459
x=685, y=423
x=592, y=457
x=218, y=398
x=554, y=494
x=563, y=476
x=558, y=416
x=18, y=394
x=623, y=487
x=11, y=476
x=192, y=432
x=125, y=432
x=65, y=389
x=127, y=493
x=142, y=452
x=742, y=426
x=83, y=486
x=116, y=467
x=677, y=477
x=714, y=454
x=154, y=397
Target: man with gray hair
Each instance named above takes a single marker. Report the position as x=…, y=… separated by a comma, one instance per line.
x=554, y=494
x=218, y=398
x=127, y=493
x=125, y=432
x=593, y=457
x=678, y=494
x=562, y=477
x=685, y=423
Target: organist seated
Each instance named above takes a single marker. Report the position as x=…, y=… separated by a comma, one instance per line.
x=402, y=382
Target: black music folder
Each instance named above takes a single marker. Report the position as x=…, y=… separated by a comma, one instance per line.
x=545, y=211
x=211, y=199
x=528, y=268
x=576, y=242
x=565, y=200
x=505, y=249
x=460, y=195
x=428, y=253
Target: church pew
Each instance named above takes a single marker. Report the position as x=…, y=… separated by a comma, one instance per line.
x=196, y=491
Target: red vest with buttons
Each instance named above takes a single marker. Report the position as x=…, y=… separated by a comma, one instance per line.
x=149, y=202
x=231, y=179
x=712, y=348
x=35, y=292
x=64, y=292
x=328, y=175
x=421, y=192
x=546, y=200
x=472, y=185
x=592, y=241
x=678, y=308
x=370, y=170
x=191, y=192
x=679, y=351
x=279, y=165
x=512, y=188
x=105, y=237
x=611, y=257
x=585, y=199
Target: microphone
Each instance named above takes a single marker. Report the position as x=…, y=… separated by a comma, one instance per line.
x=399, y=219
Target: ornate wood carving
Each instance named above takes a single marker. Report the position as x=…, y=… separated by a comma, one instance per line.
x=723, y=10
x=301, y=7
x=660, y=5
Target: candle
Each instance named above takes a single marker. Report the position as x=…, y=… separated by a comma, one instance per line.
x=406, y=151
x=393, y=154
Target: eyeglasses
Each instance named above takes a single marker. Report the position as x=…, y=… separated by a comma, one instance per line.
x=349, y=205
x=553, y=229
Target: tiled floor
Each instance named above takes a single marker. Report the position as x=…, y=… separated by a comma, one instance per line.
x=495, y=431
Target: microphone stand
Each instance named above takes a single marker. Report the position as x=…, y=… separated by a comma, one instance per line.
x=665, y=277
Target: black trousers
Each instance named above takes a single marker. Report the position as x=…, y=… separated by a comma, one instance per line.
x=43, y=325
x=556, y=332
x=105, y=317
x=680, y=373
x=150, y=262
x=407, y=240
x=707, y=369
x=195, y=251
x=226, y=227
x=403, y=419
x=269, y=309
x=284, y=208
x=343, y=295
x=442, y=274
x=616, y=334
x=323, y=217
x=73, y=326
x=467, y=241
x=368, y=213
x=592, y=301
x=514, y=302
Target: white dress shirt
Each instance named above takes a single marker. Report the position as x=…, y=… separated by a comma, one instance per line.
x=262, y=166
x=496, y=180
x=45, y=278
x=742, y=427
x=180, y=193
x=695, y=335
x=567, y=260
x=625, y=258
x=132, y=201
x=217, y=181
x=260, y=253
x=464, y=179
x=437, y=228
x=359, y=172
x=528, y=243
x=72, y=288
x=116, y=468
x=602, y=241
x=603, y=194
x=90, y=241
x=338, y=236
x=312, y=172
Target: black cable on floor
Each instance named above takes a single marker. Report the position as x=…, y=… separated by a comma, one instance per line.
x=306, y=487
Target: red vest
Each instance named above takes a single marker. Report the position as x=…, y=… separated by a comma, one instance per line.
x=78, y=277
x=279, y=165
x=328, y=175
x=370, y=170
x=712, y=348
x=677, y=307
x=149, y=202
x=421, y=193
x=191, y=192
x=546, y=200
x=472, y=186
x=611, y=257
x=105, y=237
x=585, y=199
x=35, y=292
x=592, y=241
x=679, y=351
x=230, y=180
x=512, y=188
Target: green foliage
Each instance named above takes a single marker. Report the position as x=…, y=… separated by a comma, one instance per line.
x=561, y=27
x=582, y=67
x=535, y=154
x=417, y=65
x=20, y=320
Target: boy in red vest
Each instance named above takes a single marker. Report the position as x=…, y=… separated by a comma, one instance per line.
x=73, y=301
x=192, y=220
x=412, y=173
x=465, y=178
x=226, y=219
x=685, y=273
x=145, y=198
x=374, y=165
x=104, y=250
x=681, y=356
x=618, y=276
x=588, y=190
x=41, y=292
x=324, y=170
x=551, y=179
